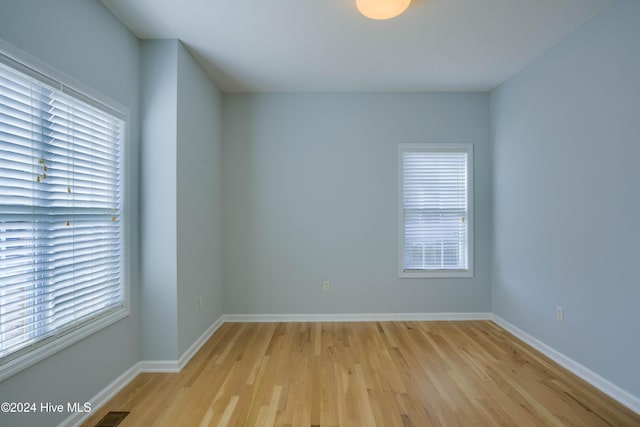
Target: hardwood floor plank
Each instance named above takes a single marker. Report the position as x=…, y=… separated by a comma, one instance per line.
x=366, y=374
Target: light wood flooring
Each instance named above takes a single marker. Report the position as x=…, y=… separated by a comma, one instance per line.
x=467, y=373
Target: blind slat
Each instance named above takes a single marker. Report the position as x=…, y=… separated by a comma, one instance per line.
x=60, y=201
x=435, y=205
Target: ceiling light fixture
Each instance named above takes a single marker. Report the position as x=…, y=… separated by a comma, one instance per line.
x=382, y=9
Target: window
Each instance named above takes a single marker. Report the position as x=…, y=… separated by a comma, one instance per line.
x=435, y=210
x=61, y=215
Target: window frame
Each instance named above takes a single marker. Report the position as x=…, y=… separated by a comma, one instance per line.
x=439, y=273
x=42, y=349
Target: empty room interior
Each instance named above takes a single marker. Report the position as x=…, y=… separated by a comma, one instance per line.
x=321, y=213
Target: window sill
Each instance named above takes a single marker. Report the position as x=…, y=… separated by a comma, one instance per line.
x=41, y=352
x=435, y=274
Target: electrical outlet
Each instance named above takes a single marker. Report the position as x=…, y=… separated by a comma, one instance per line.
x=326, y=287
x=560, y=314
x=200, y=302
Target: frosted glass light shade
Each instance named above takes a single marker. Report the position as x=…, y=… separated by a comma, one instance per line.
x=382, y=9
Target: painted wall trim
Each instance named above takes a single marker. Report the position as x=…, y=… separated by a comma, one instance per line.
x=123, y=380
x=193, y=349
x=160, y=366
x=103, y=396
x=173, y=366
x=363, y=317
x=629, y=400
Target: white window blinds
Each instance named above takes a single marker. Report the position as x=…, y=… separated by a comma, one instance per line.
x=60, y=212
x=435, y=208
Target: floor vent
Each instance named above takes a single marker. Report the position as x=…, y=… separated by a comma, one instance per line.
x=112, y=419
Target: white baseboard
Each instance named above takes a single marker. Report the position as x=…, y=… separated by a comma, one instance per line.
x=365, y=317
x=173, y=366
x=121, y=382
x=103, y=396
x=629, y=400
x=160, y=366
x=193, y=349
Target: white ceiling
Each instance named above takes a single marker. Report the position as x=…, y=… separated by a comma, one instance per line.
x=326, y=45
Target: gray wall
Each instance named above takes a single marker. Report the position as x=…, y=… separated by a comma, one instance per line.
x=181, y=171
x=159, y=98
x=199, y=192
x=566, y=134
x=85, y=41
x=310, y=191
x=309, y=184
